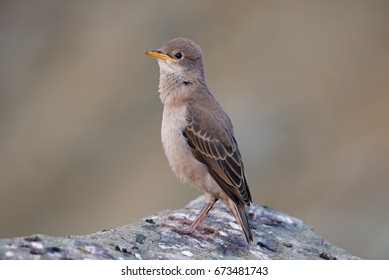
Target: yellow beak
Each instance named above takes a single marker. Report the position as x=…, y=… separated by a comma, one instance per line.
x=159, y=55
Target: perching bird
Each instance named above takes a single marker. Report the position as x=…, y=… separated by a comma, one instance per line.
x=197, y=134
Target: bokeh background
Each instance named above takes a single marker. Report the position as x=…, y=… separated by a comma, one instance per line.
x=306, y=84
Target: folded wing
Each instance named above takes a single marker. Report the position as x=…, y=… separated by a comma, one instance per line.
x=222, y=157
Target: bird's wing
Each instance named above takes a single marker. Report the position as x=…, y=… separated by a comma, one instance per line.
x=215, y=146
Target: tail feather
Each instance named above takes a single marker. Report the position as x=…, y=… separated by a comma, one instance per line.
x=239, y=212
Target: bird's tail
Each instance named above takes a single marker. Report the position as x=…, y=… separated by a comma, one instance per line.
x=239, y=212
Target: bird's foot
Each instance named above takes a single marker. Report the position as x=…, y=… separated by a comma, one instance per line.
x=195, y=234
x=188, y=222
x=191, y=230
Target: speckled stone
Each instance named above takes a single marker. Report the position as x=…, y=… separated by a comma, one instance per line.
x=276, y=236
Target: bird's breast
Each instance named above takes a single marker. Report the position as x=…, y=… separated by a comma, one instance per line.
x=180, y=157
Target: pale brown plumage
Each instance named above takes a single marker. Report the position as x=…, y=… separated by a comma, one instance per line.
x=197, y=134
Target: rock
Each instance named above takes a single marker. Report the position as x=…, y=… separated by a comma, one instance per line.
x=276, y=236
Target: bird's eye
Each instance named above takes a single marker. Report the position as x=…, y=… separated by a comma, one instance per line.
x=179, y=55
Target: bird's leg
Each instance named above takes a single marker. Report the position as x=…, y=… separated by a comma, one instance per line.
x=200, y=218
x=197, y=222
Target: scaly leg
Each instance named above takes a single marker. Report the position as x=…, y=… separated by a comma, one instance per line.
x=197, y=222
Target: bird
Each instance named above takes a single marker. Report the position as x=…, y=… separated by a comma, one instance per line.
x=197, y=134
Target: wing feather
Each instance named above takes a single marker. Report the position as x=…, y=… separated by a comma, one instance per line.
x=222, y=159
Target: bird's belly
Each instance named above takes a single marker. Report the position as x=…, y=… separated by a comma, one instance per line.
x=180, y=157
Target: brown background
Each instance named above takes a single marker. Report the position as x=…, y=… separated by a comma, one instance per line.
x=304, y=82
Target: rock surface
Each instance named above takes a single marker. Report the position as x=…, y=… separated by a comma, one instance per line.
x=276, y=236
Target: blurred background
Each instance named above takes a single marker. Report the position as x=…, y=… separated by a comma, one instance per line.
x=306, y=84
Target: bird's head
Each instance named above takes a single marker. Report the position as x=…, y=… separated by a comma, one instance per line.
x=179, y=56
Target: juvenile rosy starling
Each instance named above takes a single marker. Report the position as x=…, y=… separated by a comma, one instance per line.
x=197, y=134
